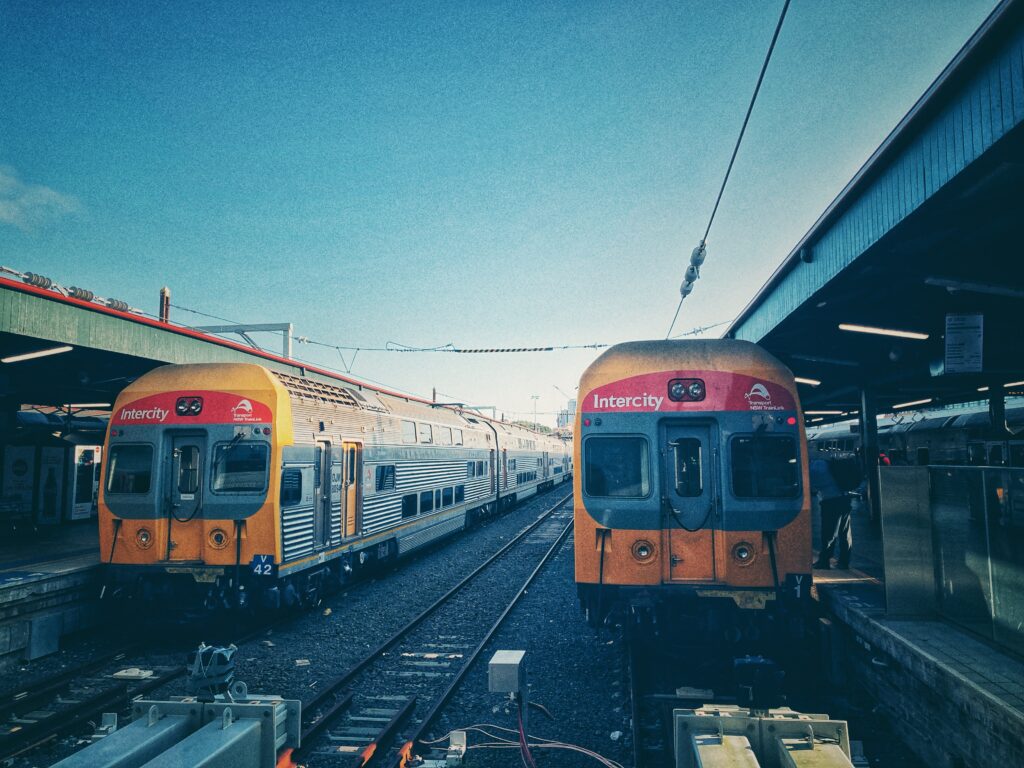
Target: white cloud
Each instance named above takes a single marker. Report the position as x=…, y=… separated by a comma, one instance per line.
x=27, y=206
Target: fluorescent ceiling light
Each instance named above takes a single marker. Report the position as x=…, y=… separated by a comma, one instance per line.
x=914, y=402
x=882, y=331
x=1014, y=384
x=803, y=380
x=961, y=285
x=823, y=413
x=826, y=360
x=983, y=389
x=813, y=421
x=33, y=355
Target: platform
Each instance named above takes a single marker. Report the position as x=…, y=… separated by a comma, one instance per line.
x=49, y=584
x=957, y=699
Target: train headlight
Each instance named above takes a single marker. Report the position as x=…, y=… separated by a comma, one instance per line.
x=643, y=550
x=743, y=553
x=218, y=538
x=686, y=390
x=144, y=538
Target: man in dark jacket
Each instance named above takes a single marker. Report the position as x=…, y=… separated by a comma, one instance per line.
x=835, y=515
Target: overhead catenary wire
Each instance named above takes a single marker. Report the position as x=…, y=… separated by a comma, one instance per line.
x=700, y=252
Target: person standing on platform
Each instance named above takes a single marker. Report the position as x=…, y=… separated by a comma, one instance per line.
x=836, y=533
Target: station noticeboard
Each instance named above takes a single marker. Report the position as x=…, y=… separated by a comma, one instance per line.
x=965, y=334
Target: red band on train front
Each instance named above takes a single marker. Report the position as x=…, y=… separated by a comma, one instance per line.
x=217, y=408
x=725, y=392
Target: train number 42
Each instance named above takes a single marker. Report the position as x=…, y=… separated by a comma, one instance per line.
x=263, y=565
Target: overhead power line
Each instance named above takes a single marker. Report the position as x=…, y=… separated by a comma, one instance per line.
x=700, y=252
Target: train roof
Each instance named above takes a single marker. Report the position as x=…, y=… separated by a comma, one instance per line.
x=254, y=379
x=632, y=358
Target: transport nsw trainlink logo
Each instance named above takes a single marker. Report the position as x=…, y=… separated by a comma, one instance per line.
x=143, y=414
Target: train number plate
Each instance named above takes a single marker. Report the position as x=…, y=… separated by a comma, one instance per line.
x=263, y=565
x=797, y=586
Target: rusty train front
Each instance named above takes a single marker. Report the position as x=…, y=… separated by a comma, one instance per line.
x=692, y=497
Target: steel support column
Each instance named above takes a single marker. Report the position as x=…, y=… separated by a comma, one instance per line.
x=869, y=449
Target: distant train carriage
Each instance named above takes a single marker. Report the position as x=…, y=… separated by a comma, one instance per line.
x=231, y=484
x=692, y=485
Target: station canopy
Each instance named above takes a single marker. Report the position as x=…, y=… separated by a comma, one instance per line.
x=911, y=284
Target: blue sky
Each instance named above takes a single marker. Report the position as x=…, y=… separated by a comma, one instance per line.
x=481, y=173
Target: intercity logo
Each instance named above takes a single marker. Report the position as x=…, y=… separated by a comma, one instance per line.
x=638, y=401
x=143, y=414
x=244, y=408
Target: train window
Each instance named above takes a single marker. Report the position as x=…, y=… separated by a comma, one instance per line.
x=995, y=456
x=689, y=480
x=408, y=431
x=437, y=499
x=426, y=502
x=130, y=469
x=457, y=437
x=922, y=457
x=1016, y=455
x=444, y=435
x=470, y=469
x=616, y=466
x=291, y=487
x=426, y=433
x=765, y=467
x=240, y=467
x=188, y=468
x=385, y=480
x=481, y=468
x=511, y=465
x=409, y=505
x=447, y=494
x=976, y=454
x=460, y=494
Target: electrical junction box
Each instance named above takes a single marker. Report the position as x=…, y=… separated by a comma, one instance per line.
x=506, y=672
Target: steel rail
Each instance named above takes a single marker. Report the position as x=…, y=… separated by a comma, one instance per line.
x=42, y=731
x=333, y=686
x=634, y=701
x=428, y=719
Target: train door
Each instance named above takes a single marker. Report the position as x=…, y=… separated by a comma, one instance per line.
x=689, y=500
x=185, y=481
x=493, y=465
x=504, y=468
x=547, y=466
x=322, y=495
x=350, y=489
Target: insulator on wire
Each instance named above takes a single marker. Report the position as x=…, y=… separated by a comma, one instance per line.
x=39, y=281
x=692, y=273
x=118, y=304
x=81, y=293
x=699, y=254
x=685, y=289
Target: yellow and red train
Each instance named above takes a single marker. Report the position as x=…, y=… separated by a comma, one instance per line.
x=692, y=484
x=233, y=485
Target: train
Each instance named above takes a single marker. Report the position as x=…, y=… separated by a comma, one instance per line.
x=692, y=497
x=960, y=435
x=233, y=486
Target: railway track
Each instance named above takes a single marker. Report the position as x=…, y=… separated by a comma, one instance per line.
x=380, y=708
x=66, y=702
